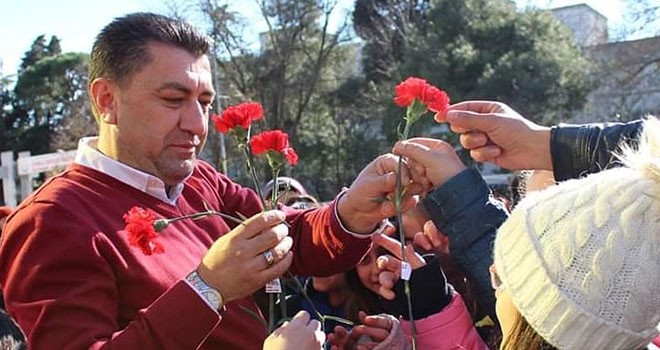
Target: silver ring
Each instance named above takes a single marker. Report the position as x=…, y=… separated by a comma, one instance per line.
x=268, y=255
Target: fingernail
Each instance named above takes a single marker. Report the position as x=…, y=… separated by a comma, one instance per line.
x=274, y=215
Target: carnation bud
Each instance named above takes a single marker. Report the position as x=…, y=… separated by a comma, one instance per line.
x=161, y=224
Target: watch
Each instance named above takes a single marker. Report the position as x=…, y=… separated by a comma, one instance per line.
x=210, y=294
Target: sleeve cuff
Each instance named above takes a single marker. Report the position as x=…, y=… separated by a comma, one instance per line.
x=463, y=209
x=335, y=211
x=564, y=140
x=213, y=304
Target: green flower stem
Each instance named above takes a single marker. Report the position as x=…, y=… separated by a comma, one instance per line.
x=281, y=295
x=160, y=224
x=318, y=314
x=253, y=173
x=398, y=202
x=271, y=312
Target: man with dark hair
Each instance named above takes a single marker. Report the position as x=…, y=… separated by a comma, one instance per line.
x=72, y=279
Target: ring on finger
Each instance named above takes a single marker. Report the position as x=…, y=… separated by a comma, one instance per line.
x=270, y=258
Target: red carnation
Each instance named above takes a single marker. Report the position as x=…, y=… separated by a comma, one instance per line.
x=436, y=99
x=274, y=140
x=409, y=90
x=240, y=115
x=428, y=95
x=141, y=232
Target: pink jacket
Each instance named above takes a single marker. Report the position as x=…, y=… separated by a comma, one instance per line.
x=450, y=329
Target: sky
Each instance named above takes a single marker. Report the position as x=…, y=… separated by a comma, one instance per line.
x=76, y=22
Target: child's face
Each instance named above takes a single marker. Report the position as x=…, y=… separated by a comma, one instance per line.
x=367, y=270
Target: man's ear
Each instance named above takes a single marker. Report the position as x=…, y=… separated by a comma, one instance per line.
x=103, y=96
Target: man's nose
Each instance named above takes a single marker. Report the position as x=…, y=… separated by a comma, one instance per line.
x=194, y=118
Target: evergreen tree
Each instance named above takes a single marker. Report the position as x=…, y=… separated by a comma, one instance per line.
x=485, y=49
x=49, y=93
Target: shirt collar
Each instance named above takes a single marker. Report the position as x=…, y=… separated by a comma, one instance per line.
x=88, y=155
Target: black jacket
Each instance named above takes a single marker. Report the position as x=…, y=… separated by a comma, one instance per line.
x=578, y=150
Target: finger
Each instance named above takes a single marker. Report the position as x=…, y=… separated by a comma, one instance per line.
x=300, y=319
x=440, y=117
x=390, y=244
x=433, y=234
x=387, y=280
x=388, y=164
x=477, y=106
x=418, y=173
x=486, y=154
x=388, y=229
x=277, y=269
x=418, y=152
x=409, y=201
x=377, y=334
x=281, y=249
x=378, y=322
x=388, y=209
x=340, y=331
x=458, y=130
x=470, y=120
x=416, y=261
x=472, y=140
x=315, y=327
x=270, y=238
x=320, y=338
x=422, y=241
x=259, y=222
x=388, y=263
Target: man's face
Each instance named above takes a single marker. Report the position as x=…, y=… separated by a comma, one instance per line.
x=162, y=114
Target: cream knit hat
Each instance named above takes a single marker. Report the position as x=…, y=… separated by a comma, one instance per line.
x=581, y=260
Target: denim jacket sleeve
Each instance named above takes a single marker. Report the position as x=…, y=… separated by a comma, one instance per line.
x=578, y=150
x=464, y=210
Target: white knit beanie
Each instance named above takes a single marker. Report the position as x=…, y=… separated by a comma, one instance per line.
x=581, y=260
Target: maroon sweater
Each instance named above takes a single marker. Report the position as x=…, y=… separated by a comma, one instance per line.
x=72, y=281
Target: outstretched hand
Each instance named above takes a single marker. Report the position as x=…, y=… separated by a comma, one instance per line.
x=369, y=200
x=493, y=132
x=431, y=162
x=390, y=265
x=371, y=332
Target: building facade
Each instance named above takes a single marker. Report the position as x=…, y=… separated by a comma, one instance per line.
x=627, y=73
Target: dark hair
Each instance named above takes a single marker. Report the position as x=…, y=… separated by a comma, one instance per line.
x=525, y=337
x=120, y=49
x=361, y=299
x=518, y=186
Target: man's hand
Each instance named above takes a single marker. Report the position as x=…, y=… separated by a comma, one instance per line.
x=236, y=264
x=493, y=132
x=299, y=333
x=370, y=199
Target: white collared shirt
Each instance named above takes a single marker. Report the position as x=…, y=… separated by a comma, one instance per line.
x=88, y=155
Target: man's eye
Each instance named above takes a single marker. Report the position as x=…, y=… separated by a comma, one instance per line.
x=173, y=99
